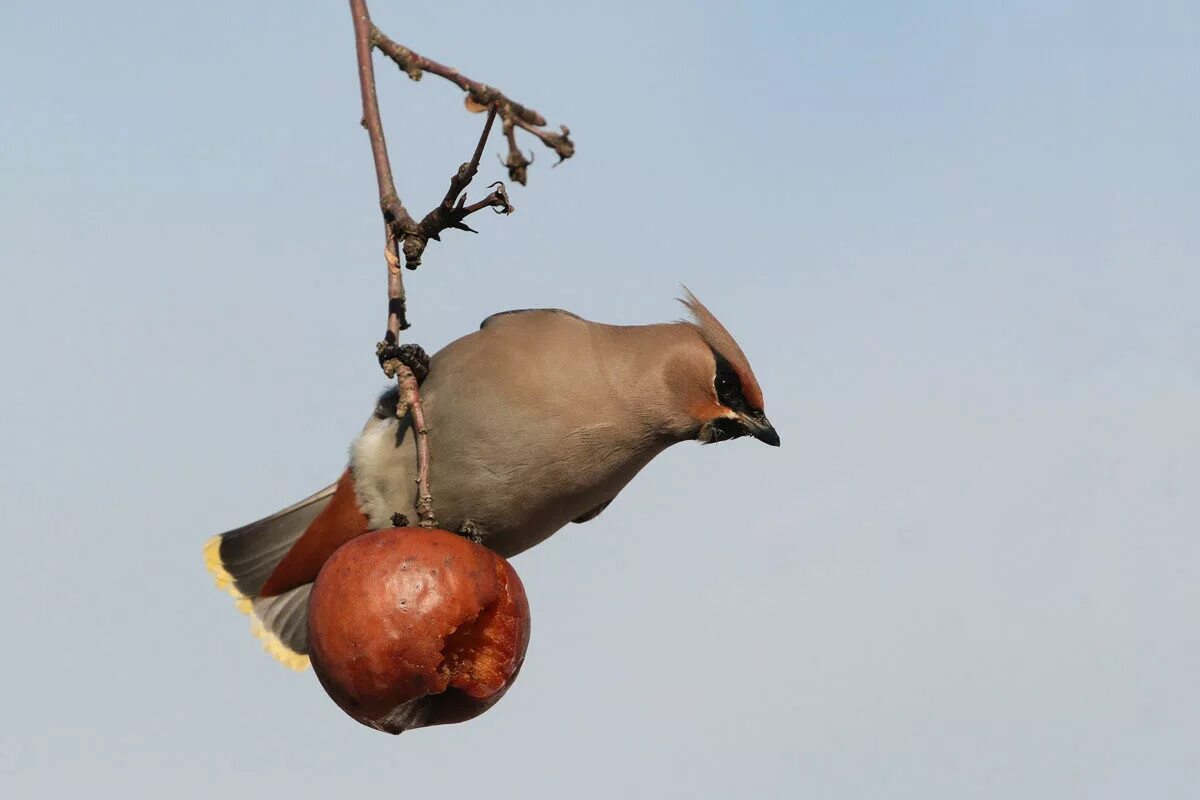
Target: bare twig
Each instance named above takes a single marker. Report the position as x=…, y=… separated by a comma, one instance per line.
x=399, y=225
x=410, y=402
x=480, y=96
x=450, y=214
x=395, y=215
x=394, y=211
x=467, y=171
x=415, y=64
x=558, y=142
x=517, y=163
x=404, y=235
x=397, y=300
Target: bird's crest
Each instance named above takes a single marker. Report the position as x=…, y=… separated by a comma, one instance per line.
x=719, y=339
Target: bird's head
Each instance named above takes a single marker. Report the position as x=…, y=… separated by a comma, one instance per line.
x=727, y=402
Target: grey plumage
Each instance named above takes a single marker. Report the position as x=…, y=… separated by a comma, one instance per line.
x=286, y=617
x=537, y=419
x=250, y=553
x=588, y=516
x=241, y=560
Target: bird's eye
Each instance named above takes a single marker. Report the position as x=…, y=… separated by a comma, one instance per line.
x=726, y=382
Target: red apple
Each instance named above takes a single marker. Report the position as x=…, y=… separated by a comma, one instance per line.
x=409, y=627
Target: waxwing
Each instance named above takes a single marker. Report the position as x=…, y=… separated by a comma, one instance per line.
x=536, y=420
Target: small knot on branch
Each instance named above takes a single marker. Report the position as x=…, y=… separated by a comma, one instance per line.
x=425, y=516
x=405, y=59
x=517, y=163
x=414, y=248
x=560, y=143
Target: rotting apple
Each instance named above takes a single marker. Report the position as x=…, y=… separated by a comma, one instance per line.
x=410, y=627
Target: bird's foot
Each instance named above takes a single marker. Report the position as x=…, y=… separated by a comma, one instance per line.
x=469, y=530
x=413, y=356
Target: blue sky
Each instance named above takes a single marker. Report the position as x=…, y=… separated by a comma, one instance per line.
x=957, y=241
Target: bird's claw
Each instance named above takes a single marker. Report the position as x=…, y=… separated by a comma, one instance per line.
x=469, y=530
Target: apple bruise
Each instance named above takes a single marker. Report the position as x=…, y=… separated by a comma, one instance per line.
x=478, y=656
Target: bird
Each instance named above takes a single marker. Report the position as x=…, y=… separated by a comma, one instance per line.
x=536, y=420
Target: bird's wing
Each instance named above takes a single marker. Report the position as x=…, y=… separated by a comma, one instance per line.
x=590, y=515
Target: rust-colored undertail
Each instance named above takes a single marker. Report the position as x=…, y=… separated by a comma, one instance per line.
x=338, y=523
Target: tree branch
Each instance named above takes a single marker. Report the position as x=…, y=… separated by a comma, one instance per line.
x=404, y=235
x=481, y=97
x=450, y=214
x=485, y=96
x=410, y=402
x=517, y=163
x=560, y=143
x=393, y=210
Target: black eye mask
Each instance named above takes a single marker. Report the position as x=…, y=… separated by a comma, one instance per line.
x=729, y=387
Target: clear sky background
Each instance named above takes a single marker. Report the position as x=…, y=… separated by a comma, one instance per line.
x=958, y=241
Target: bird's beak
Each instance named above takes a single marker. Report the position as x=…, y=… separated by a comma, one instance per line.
x=758, y=426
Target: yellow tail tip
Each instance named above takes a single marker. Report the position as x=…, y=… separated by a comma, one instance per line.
x=221, y=576
x=278, y=650
x=270, y=642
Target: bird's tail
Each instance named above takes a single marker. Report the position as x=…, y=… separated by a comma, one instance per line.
x=242, y=560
